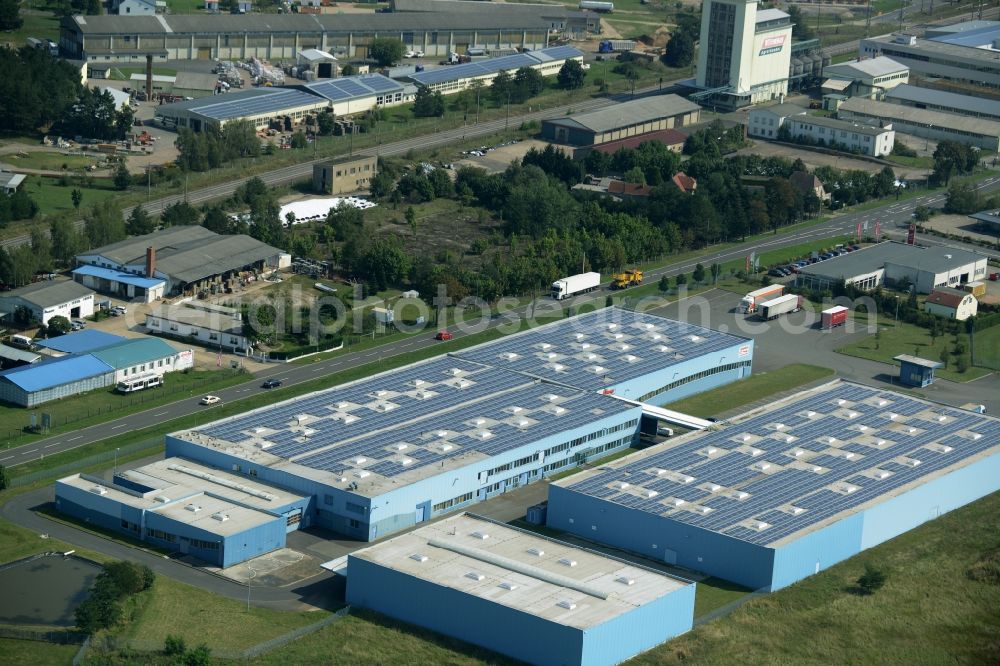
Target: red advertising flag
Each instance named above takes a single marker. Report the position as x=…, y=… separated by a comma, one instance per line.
x=911, y=235
x=748, y=264
x=859, y=230
x=878, y=228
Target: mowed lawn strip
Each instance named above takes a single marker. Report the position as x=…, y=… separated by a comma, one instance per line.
x=752, y=389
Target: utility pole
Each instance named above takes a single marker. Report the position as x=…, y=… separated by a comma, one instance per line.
x=868, y=19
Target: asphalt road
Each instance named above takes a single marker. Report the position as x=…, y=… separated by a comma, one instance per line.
x=892, y=216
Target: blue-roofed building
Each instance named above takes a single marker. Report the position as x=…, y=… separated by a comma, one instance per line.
x=89, y=365
x=79, y=342
x=789, y=489
x=141, y=356
x=456, y=78
x=34, y=384
x=121, y=284
x=384, y=453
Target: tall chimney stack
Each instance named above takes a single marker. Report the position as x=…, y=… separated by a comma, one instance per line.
x=149, y=77
x=150, y=261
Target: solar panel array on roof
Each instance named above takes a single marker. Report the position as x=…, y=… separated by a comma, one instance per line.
x=355, y=87
x=602, y=348
x=494, y=65
x=235, y=106
x=785, y=469
x=417, y=416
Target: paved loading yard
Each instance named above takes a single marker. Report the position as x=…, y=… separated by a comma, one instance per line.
x=790, y=340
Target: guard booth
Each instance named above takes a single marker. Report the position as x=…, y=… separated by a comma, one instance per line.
x=916, y=371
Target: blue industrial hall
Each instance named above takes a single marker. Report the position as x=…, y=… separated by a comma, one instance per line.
x=519, y=593
x=789, y=489
x=393, y=450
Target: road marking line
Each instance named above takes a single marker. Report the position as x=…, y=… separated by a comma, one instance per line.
x=52, y=444
x=160, y=414
x=319, y=369
x=119, y=426
x=72, y=438
x=24, y=453
x=7, y=458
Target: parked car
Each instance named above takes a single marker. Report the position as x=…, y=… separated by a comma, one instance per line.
x=443, y=335
x=271, y=383
x=77, y=325
x=774, y=272
x=210, y=400
x=855, y=247
x=119, y=310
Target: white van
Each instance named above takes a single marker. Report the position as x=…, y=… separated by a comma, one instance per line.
x=22, y=341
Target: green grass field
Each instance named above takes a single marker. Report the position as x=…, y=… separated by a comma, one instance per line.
x=902, y=338
x=52, y=197
x=756, y=387
x=988, y=347
x=41, y=26
x=35, y=653
x=202, y=617
x=49, y=161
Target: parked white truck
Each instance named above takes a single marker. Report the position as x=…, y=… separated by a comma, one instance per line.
x=778, y=306
x=575, y=284
x=750, y=302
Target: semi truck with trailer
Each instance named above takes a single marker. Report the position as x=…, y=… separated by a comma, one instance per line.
x=834, y=317
x=616, y=46
x=595, y=6
x=776, y=307
x=575, y=284
x=626, y=279
x=750, y=302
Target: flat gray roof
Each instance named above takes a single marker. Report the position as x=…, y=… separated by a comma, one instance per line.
x=963, y=104
x=869, y=67
x=781, y=110
x=937, y=259
x=184, y=314
x=916, y=360
x=796, y=465
x=195, y=494
x=49, y=293
x=478, y=7
x=929, y=48
x=629, y=113
x=521, y=570
x=133, y=249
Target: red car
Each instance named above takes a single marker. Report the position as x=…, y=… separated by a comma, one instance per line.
x=443, y=335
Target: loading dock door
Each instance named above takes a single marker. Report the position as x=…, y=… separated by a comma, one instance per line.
x=669, y=556
x=204, y=53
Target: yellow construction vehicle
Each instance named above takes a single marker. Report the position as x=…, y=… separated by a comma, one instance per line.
x=629, y=278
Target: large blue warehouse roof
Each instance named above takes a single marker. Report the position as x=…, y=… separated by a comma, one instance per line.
x=80, y=342
x=604, y=348
x=796, y=464
x=59, y=371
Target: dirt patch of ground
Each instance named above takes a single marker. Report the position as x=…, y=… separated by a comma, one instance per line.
x=500, y=158
x=275, y=569
x=959, y=225
x=814, y=159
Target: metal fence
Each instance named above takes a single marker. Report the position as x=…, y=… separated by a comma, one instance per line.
x=151, y=445
x=50, y=636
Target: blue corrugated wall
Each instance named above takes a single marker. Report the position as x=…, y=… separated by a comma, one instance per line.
x=641, y=629
x=468, y=618
x=659, y=538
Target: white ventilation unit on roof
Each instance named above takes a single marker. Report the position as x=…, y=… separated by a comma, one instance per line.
x=892, y=416
x=747, y=438
x=619, y=336
x=883, y=403
x=193, y=508
x=685, y=479
x=221, y=517
x=709, y=450
x=381, y=393
x=162, y=499
x=810, y=414
x=656, y=336
x=663, y=348
x=862, y=427
x=741, y=495
x=762, y=466
x=880, y=442
x=623, y=485
x=350, y=419
x=362, y=474
x=795, y=510
x=552, y=355
x=624, y=347
x=910, y=462
x=551, y=397
x=942, y=418
x=942, y=448
x=508, y=586
x=546, y=346
x=630, y=358
x=343, y=405
x=625, y=580
x=704, y=510
x=831, y=440
x=568, y=605
x=418, y=557
x=881, y=474
x=789, y=439
x=557, y=367
x=660, y=472
x=359, y=460
x=406, y=461
x=694, y=338
x=713, y=487
x=385, y=406
x=676, y=501
x=441, y=433
x=537, y=552
x=651, y=494
x=523, y=423
x=99, y=490
x=911, y=430
x=852, y=415
x=755, y=452
x=797, y=453
x=612, y=327
x=760, y=525
x=848, y=455
x=510, y=356
x=482, y=536
x=585, y=345
x=847, y=488
x=841, y=402
x=474, y=575
x=401, y=447
x=484, y=434
x=567, y=562
x=455, y=372
x=599, y=369
x=779, y=426
x=558, y=410
x=445, y=448
x=579, y=336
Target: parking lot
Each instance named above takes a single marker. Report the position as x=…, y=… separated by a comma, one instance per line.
x=797, y=338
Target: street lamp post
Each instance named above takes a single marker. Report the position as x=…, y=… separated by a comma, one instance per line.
x=249, y=579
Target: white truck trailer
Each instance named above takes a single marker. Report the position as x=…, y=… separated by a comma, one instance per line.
x=776, y=307
x=575, y=284
x=750, y=302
